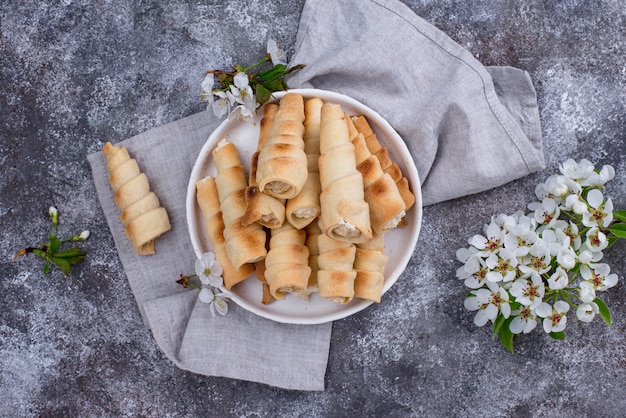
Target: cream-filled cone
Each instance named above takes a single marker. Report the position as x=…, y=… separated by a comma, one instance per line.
x=244, y=244
x=287, y=262
x=209, y=203
x=141, y=214
x=282, y=164
x=344, y=212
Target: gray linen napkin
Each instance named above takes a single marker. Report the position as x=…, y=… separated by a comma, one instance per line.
x=469, y=128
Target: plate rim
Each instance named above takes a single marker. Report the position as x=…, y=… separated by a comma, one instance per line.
x=413, y=178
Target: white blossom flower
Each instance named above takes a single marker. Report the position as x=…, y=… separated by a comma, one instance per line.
x=586, y=293
x=490, y=243
x=277, y=55
x=555, y=317
x=503, y=266
x=587, y=311
x=558, y=280
x=524, y=320
x=206, y=88
x=546, y=212
x=574, y=203
x=222, y=105
x=474, y=269
x=599, y=213
x=488, y=302
x=209, y=270
x=217, y=301
x=606, y=174
x=596, y=240
x=599, y=275
x=242, y=91
x=537, y=261
x=566, y=257
x=528, y=292
x=577, y=171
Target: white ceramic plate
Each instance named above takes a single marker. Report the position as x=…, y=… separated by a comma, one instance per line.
x=399, y=243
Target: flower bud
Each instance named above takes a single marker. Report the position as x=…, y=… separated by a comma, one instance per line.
x=84, y=235
x=54, y=214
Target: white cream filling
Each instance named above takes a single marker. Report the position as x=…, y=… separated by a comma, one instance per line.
x=346, y=229
x=393, y=222
x=277, y=187
x=305, y=213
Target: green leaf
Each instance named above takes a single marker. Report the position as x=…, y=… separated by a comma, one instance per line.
x=63, y=264
x=262, y=94
x=604, y=311
x=277, y=71
x=618, y=230
x=497, y=324
x=72, y=255
x=46, y=268
x=620, y=214
x=506, y=336
x=274, y=85
x=295, y=68
x=54, y=244
x=558, y=335
x=39, y=253
x=611, y=239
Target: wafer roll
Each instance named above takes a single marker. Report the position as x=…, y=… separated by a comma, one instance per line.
x=141, y=214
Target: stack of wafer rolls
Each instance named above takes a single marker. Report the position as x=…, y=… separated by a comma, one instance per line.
x=261, y=207
x=313, y=231
x=244, y=244
x=387, y=207
x=209, y=203
x=287, y=263
x=143, y=217
x=305, y=207
x=369, y=264
x=282, y=165
x=335, y=262
x=345, y=214
x=388, y=166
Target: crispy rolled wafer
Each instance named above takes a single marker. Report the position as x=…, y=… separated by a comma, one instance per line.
x=141, y=214
x=261, y=207
x=209, y=203
x=345, y=214
x=387, y=207
x=244, y=244
x=369, y=264
x=287, y=262
x=362, y=125
x=282, y=164
x=335, y=276
x=305, y=207
x=312, y=233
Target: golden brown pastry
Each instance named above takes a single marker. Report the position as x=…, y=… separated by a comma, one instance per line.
x=345, y=214
x=282, y=164
x=209, y=203
x=244, y=244
x=143, y=217
x=305, y=207
x=287, y=262
x=261, y=207
x=312, y=233
x=335, y=276
x=387, y=207
x=388, y=166
x=369, y=264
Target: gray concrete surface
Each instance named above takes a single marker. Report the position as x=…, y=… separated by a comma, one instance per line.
x=76, y=73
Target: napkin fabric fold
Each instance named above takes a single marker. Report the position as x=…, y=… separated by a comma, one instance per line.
x=468, y=127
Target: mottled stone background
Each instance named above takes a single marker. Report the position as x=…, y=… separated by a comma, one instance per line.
x=74, y=74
